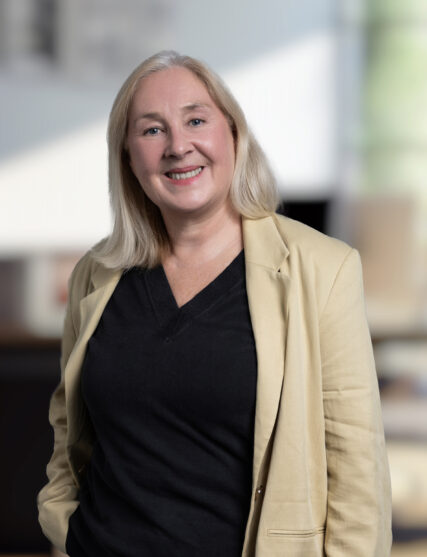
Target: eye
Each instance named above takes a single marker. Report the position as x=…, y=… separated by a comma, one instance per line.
x=152, y=131
x=195, y=122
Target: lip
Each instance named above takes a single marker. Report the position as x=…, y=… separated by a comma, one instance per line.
x=184, y=169
x=186, y=181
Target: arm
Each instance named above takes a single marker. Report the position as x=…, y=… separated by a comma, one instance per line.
x=359, y=502
x=59, y=497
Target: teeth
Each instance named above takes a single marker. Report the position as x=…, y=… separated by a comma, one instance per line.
x=185, y=175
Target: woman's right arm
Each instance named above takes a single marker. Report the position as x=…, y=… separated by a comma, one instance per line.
x=59, y=497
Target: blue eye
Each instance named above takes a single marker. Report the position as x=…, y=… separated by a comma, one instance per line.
x=152, y=131
x=196, y=122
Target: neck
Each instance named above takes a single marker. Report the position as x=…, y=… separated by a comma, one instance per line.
x=195, y=241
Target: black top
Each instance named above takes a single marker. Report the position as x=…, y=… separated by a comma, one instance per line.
x=171, y=394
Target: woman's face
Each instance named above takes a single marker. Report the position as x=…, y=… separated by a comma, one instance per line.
x=180, y=144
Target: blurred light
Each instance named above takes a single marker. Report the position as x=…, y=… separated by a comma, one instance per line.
x=288, y=97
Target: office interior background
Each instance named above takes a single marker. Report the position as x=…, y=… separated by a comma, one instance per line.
x=335, y=92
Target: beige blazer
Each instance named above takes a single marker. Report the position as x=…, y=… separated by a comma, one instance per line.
x=320, y=475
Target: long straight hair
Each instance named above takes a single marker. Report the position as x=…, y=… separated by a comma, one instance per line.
x=139, y=235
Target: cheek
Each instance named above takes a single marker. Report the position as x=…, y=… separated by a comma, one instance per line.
x=140, y=161
x=228, y=154
x=221, y=149
x=226, y=141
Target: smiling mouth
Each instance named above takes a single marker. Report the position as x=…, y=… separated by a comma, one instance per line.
x=184, y=175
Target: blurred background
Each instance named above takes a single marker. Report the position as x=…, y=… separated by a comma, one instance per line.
x=335, y=91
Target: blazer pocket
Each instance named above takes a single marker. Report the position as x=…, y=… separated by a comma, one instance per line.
x=295, y=534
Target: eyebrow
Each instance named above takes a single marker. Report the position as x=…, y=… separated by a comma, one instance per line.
x=186, y=108
x=193, y=106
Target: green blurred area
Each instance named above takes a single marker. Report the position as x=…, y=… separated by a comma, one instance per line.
x=394, y=114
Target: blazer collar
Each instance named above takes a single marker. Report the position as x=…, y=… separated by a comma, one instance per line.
x=263, y=243
x=101, y=276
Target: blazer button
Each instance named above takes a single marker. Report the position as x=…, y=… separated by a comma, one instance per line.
x=259, y=491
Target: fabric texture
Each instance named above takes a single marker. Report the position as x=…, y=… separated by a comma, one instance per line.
x=320, y=479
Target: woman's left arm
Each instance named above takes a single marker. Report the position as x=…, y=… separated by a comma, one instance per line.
x=359, y=493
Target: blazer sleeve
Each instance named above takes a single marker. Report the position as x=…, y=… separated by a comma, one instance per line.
x=359, y=494
x=59, y=497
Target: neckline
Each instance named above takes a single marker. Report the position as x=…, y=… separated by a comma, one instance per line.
x=164, y=303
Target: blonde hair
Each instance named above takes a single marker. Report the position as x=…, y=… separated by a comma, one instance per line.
x=139, y=235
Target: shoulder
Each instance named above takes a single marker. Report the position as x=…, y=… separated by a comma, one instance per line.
x=302, y=239
x=317, y=261
x=88, y=274
x=273, y=239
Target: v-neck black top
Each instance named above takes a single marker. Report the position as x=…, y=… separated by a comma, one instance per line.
x=171, y=394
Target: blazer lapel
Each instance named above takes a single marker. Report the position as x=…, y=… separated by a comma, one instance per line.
x=267, y=284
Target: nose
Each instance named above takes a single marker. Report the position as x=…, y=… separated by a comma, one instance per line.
x=178, y=143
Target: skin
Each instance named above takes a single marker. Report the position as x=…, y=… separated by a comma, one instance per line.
x=174, y=124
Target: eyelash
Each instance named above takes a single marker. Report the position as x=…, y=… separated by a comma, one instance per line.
x=147, y=132
x=199, y=120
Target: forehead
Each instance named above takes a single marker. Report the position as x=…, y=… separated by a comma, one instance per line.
x=174, y=86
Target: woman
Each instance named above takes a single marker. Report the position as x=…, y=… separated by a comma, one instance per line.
x=218, y=392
